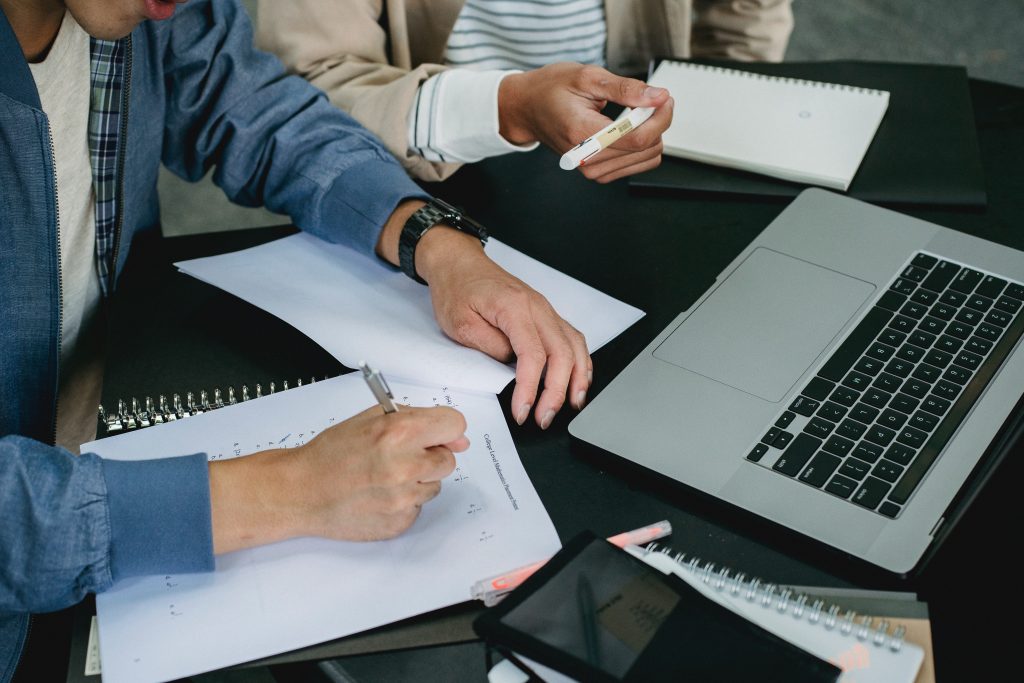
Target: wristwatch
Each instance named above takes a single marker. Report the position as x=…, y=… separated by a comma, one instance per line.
x=434, y=212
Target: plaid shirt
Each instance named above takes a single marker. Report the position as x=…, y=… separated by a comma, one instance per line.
x=106, y=100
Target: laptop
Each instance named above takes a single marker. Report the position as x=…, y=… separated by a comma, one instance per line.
x=844, y=377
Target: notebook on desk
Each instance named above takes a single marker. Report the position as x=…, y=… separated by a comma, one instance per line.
x=852, y=375
x=924, y=152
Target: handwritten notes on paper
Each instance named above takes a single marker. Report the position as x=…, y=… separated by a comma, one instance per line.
x=360, y=308
x=280, y=597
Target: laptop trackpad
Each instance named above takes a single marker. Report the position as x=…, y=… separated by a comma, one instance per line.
x=763, y=327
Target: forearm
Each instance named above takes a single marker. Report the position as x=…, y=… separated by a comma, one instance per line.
x=254, y=500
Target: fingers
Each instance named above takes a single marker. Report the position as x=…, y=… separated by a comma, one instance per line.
x=604, y=85
x=473, y=331
x=649, y=133
x=531, y=358
x=582, y=369
x=420, y=428
x=617, y=164
x=632, y=169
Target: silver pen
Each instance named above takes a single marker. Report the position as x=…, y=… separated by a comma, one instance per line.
x=379, y=387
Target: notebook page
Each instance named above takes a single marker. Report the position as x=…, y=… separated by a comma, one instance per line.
x=804, y=131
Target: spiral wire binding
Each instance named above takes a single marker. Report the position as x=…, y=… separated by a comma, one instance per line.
x=780, y=79
x=784, y=599
x=147, y=414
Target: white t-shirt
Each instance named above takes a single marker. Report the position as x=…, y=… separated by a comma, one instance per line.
x=63, y=82
x=455, y=114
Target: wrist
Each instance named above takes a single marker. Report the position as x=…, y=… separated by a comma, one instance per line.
x=513, y=123
x=441, y=248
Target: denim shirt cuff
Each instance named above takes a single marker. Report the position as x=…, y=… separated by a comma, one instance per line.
x=159, y=516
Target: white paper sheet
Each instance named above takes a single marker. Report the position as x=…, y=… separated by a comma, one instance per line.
x=276, y=598
x=359, y=308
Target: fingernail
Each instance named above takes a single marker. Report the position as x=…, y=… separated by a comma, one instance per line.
x=652, y=92
x=548, y=417
x=524, y=412
x=581, y=397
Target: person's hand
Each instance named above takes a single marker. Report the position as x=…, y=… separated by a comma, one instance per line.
x=560, y=105
x=362, y=480
x=480, y=305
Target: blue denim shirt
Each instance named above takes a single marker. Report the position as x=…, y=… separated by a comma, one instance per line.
x=199, y=96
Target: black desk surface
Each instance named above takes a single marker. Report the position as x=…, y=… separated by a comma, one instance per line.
x=656, y=252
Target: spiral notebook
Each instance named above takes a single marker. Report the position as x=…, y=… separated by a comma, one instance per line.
x=866, y=648
x=804, y=131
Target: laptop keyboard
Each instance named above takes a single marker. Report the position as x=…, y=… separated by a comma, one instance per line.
x=877, y=415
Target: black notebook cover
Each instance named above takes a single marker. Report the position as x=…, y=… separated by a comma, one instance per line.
x=924, y=153
x=596, y=613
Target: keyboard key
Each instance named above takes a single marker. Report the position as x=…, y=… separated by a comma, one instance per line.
x=757, y=452
x=915, y=387
x=782, y=440
x=991, y=286
x=925, y=297
x=899, y=367
x=771, y=435
x=978, y=345
x=925, y=261
x=837, y=445
x=1000, y=318
x=939, y=359
x=871, y=493
x=877, y=434
x=796, y=456
x=804, y=406
x=889, y=509
x=855, y=343
x=904, y=287
x=940, y=276
x=912, y=437
x=818, y=388
x=969, y=316
x=864, y=413
x=966, y=359
x=979, y=302
x=903, y=403
x=966, y=281
x=946, y=389
x=887, y=382
x=942, y=312
x=1016, y=291
x=935, y=405
x=876, y=397
x=851, y=429
x=959, y=330
x=785, y=419
x=845, y=396
x=867, y=451
x=902, y=323
x=1007, y=304
x=924, y=421
x=891, y=301
x=927, y=373
x=932, y=325
x=819, y=428
x=892, y=419
x=900, y=453
x=914, y=273
x=921, y=338
x=820, y=469
x=953, y=298
x=891, y=337
x=913, y=353
x=855, y=468
x=857, y=380
x=880, y=351
x=841, y=486
x=948, y=344
x=888, y=470
x=913, y=310
x=955, y=373
x=990, y=332
x=869, y=366
x=832, y=412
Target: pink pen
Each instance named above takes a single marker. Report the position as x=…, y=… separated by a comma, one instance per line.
x=493, y=589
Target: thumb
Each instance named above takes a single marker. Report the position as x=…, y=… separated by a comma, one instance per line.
x=630, y=92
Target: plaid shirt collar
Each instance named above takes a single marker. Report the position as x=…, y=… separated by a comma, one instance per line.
x=107, y=60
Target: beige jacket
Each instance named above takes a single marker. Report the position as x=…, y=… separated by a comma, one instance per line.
x=370, y=56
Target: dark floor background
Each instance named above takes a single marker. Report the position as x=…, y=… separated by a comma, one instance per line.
x=986, y=36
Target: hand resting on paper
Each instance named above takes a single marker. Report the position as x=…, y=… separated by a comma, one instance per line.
x=560, y=105
x=362, y=480
x=480, y=305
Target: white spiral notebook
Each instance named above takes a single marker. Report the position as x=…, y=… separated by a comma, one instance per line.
x=805, y=131
x=865, y=648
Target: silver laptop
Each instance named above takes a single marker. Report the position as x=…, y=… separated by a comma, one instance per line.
x=842, y=377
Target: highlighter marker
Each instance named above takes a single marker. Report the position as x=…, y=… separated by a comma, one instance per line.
x=492, y=590
x=578, y=155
